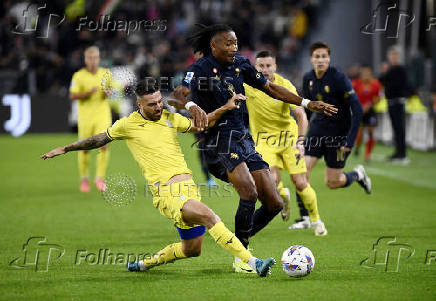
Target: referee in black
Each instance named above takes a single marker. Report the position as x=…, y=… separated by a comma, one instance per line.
x=394, y=80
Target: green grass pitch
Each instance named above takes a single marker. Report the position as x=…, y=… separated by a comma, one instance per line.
x=41, y=198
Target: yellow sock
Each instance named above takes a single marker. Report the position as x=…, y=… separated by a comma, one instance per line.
x=308, y=195
x=83, y=159
x=102, y=159
x=168, y=254
x=282, y=190
x=226, y=239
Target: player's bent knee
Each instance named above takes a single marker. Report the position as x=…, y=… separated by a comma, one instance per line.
x=300, y=186
x=248, y=192
x=210, y=220
x=300, y=183
x=276, y=206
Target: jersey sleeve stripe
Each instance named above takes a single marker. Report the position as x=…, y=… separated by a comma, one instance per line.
x=109, y=135
x=189, y=127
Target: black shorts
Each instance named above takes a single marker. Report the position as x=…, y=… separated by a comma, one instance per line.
x=369, y=118
x=214, y=166
x=327, y=147
x=228, y=151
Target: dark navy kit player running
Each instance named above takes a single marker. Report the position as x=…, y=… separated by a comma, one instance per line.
x=211, y=81
x=332, y=137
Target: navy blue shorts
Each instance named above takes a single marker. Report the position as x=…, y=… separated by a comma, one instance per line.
x=369, y=118
x=327, y=147
x=229, y=151
x=191, y=233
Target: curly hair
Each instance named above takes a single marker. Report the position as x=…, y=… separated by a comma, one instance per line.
x=200, y=40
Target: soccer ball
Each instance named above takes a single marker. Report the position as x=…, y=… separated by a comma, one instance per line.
x=297, y=261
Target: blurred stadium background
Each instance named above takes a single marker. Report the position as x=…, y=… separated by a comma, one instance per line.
x=40, y=51
x=42, y=46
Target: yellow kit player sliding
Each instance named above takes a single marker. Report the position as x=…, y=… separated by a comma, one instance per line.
x=94, y=114
x=151, y=135
x=279, y=140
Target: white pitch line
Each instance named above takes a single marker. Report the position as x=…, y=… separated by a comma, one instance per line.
x=387, y=174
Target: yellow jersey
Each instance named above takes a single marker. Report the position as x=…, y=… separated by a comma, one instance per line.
x=269, y=116
x=154, y=144
x=96, y=106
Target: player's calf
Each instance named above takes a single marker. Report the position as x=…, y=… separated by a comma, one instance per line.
x=192, y=247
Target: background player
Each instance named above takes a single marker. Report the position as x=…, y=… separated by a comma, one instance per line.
x=368, y=91
x=276, y=133
x=94, y=114
x=396, y=86
x=225, y=72
x=331, y=137
x=163, y=164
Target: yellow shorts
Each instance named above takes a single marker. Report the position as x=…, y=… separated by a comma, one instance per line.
x=287, y=158
x=88, y=128
x=169, y=200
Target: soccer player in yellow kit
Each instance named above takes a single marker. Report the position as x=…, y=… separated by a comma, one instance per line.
x=279, y=139
x=151, y=135
x=94, y=114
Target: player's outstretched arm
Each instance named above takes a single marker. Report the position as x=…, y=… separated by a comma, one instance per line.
x=84, y=144
x=232, y=103
x=179, y=99
x=283, y=94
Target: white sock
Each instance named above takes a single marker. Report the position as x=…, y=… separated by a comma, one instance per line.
x=252, y=262
x=141, y=265
x=237, y=259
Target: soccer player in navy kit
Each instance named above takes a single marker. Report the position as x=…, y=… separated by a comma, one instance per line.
x=210, y=81
x=332, y=137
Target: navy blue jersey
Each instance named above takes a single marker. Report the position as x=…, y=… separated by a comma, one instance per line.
x=212, y=85
x=334, y=88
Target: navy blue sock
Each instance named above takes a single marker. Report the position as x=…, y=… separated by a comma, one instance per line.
x=244, y=220
x=351, y=177
x=303, y=210
x=261, y=218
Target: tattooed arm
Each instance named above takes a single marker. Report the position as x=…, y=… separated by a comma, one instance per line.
x=85, y=144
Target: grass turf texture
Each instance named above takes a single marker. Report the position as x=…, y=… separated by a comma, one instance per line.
x=41, y=198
